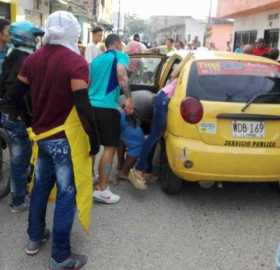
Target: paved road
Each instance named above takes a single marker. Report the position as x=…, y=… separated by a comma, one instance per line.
x=234, y=228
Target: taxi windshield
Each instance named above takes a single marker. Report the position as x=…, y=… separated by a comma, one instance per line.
x=234, y=81
x=143, y=71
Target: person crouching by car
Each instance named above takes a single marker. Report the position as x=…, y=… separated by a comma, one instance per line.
x=14, y=121
x=138, y=175
x=132, y=138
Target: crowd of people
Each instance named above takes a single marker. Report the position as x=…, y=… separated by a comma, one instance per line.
x=259, y=49
x=59, y=104
x=58, y=107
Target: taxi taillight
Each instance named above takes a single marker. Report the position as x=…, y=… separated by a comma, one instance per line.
x=191, y=110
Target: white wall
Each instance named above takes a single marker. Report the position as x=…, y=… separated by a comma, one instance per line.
x=195, y=28
x=259, y=22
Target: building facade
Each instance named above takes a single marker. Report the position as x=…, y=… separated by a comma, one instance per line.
x=253, y=19
x=195, y=30
x=88, y=12
x=103, y=13
x=8, y=9
x=163, y=27
x=220, y=33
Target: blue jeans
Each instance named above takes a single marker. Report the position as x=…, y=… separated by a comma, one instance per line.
x=20, y=157
x=160, y=107
x=54, y=166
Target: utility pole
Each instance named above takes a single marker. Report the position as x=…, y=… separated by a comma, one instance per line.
x=208, y=22
x=119, y=17
x=210, y=12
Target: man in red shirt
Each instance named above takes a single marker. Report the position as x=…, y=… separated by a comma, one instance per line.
x=260, y=48
x=58, y=79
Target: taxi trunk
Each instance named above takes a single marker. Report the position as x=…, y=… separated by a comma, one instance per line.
x=237, y=138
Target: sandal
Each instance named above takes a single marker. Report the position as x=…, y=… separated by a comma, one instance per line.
x=137, y=180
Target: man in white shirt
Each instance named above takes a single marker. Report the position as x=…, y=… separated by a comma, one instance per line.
x=93, y=50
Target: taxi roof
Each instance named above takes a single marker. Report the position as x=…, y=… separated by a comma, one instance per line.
x=218, y=55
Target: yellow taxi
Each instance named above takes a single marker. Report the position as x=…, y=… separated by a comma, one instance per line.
x=223, y=122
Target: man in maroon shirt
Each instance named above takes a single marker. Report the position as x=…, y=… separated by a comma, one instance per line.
x=58, y=79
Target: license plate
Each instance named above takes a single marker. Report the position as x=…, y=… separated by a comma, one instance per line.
x=248, y=129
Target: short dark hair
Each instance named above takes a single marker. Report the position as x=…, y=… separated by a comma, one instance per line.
x=136, y=37
x=170, y=39
x=111, y=40
x=260, y=40
x=3, y=24
x=97, y=29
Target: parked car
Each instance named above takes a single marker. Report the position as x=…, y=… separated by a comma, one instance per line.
x=223, y=122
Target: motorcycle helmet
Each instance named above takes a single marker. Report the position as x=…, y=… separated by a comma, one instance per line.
x=24, y=34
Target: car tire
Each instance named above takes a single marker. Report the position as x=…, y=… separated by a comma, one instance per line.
x=5, y=172
x=169, y=182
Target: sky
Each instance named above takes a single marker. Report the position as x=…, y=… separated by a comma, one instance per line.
x=147, y=8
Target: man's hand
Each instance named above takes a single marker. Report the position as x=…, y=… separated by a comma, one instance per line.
x=128, y=106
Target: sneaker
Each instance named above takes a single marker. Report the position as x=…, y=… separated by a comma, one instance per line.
x=19, y=208
x=106, y=196
x=74, y=262
x=32, y=248
x=137, y=180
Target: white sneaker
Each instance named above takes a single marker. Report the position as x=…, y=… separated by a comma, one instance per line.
x=106, y=196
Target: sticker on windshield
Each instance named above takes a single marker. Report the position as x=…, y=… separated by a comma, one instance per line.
x=237, y=68
x=210, y=128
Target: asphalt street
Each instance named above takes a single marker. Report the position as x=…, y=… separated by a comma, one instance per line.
x=237, y=227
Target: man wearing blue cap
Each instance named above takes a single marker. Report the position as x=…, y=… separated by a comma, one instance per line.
x=23, y=38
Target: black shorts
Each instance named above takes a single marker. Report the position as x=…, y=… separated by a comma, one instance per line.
x=108, y=126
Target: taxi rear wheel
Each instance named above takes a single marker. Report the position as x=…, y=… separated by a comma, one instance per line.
x=169, y=182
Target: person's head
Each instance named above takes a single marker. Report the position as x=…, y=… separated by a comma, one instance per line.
x=136, y=37
x=260, y=43
x=190, y=47
x=4, y=31
x=179, y=45
x=113, y=42
x=63, y=28
x=169, y=43
x=25, y=34
x=248, y=49
x=97, y=34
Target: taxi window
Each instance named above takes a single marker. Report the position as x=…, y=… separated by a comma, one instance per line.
x=234, y=81
x=143, y=71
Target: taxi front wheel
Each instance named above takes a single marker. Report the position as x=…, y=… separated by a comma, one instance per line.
x=169, y=182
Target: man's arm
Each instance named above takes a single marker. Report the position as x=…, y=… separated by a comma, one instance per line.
x=88, y=53
x=123, y=82
x=85, y=112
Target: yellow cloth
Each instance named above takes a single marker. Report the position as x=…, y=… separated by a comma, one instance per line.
x=82, y=163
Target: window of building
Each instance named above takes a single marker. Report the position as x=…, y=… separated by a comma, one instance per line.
x=271, y=37
x=37, y=4
x=244, y=37
x=5, y=11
